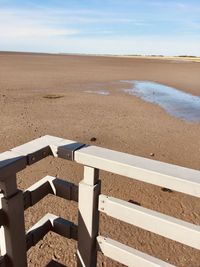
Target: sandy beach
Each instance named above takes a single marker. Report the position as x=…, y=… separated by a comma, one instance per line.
x=118, y=121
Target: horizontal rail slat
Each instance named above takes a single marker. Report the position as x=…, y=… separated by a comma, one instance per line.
x=127, y=255
x=151, y=171
x=40, y=148
x=65, y=228
x=158, y=223
x=37, y=191
x=66, y=190
x=17, y=158
x=49, y=185
x=37, y=144
x=38, y=231
x=11, y=162
x=48, y=223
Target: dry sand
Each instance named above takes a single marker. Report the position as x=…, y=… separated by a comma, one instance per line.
x=118, y=121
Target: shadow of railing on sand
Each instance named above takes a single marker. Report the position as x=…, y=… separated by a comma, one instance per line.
x=53, y=263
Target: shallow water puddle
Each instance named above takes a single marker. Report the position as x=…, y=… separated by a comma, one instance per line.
x=177, y=103
x=99, y=92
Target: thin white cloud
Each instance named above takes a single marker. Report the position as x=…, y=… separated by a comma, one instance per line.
x=137, y=45
x=195, y=25
x=125, y=46
x=177, y=6
x=33, y=32
x=16, y=23
x=64, y=30
x=47, y=22
x=66, y=16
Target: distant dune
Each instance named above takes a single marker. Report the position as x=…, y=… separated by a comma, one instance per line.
x=181, y=58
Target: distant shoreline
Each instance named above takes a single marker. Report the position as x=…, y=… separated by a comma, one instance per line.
x=179, y=58
x=160, y=57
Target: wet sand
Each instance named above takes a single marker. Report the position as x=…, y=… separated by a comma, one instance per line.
x=118, y=121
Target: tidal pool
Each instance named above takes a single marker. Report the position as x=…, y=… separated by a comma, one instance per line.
x=99, y=92
x=177, y=103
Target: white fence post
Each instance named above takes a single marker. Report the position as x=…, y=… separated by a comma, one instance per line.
x=2, y=236
x=88, y=221
x=14, y=229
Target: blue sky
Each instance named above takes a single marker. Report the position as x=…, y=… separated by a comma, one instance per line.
x=101, y=26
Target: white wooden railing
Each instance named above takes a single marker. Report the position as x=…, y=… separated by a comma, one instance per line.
x=14, y=241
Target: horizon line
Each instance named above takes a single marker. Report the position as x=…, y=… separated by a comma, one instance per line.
x=100, y=54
